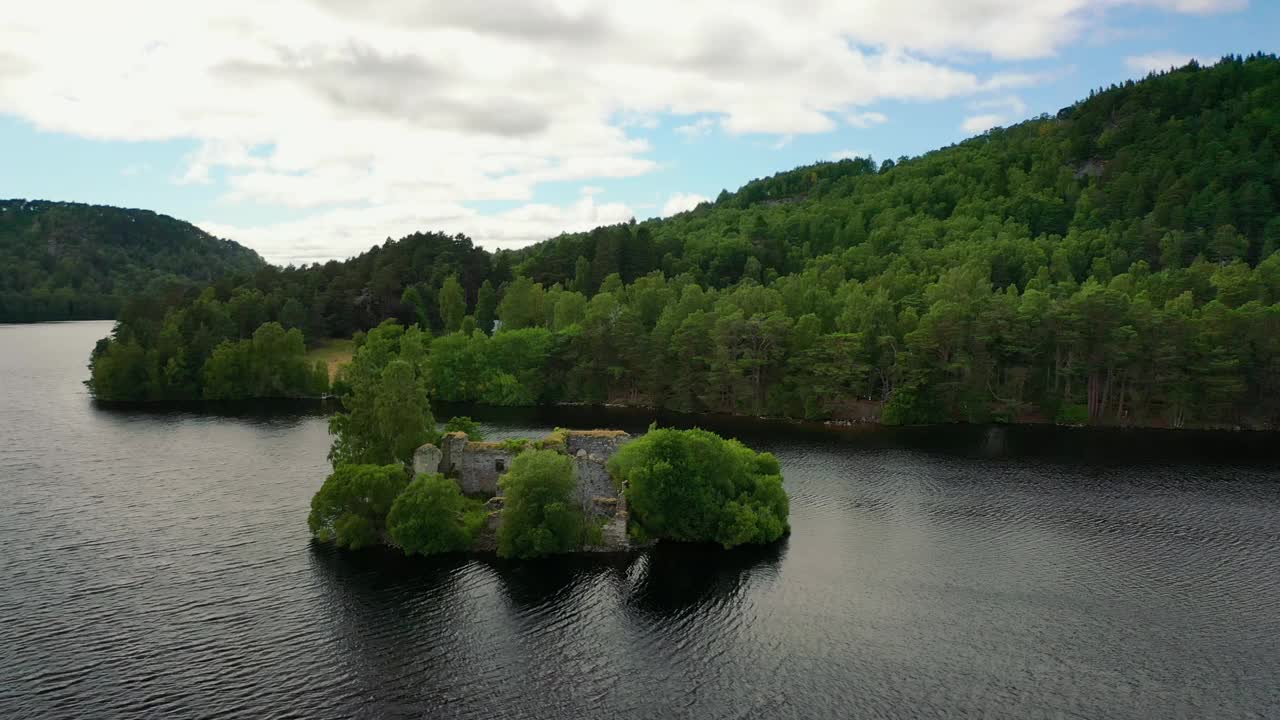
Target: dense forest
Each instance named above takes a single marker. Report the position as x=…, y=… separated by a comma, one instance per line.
x=1112, y=263
x=68, y=261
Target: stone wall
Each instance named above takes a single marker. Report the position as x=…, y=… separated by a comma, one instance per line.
x=426, y=460
x=591, y=450
x=603, y=443
x=476, y=467
x=480, y=467
x=452, y=446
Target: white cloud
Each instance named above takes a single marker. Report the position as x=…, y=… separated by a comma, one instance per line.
x=1161, y=61
x=342, y=232
x=1199, y=7
x=982, y=123
x=696, y=129
x=640, y=120
x=680, y=202
x=866, y=119
x=1010, y=105
x=1015, y=80
x=847, y=155
x=1008, y=109
x=385, y=116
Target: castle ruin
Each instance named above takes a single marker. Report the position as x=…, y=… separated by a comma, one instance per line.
x=476, y=467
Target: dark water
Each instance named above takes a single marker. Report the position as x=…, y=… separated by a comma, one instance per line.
x=158, y=565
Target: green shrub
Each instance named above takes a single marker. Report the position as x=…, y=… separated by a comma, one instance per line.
x=1072, y=414
x=433, y=516
x=515, y=446
x=913, y=405
x=693, y=485
x=464, y=424
x=558, y=440
x=320, y=378
x=539, y=516
x=350, y=510
x=505, y=389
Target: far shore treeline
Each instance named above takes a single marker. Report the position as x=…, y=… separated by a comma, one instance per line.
x=1115, y=264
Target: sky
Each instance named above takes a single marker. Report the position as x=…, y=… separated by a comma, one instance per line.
x=312, y=129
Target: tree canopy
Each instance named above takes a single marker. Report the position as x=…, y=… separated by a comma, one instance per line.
x=432, y=516
x=201, y=351
x=70, y=261
x=464, y=424
x=695, y=486
x=388, y=411
x=350, y=510
x=540, y=516
x=1115, y=262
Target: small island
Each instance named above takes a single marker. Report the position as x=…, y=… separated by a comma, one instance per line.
x=399, y=482
x=571, y=491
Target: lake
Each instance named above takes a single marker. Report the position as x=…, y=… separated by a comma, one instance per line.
x=157, y=564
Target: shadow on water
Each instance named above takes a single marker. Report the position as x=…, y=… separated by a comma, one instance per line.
x=667, y=579
x=383, y=576
x=1083, y=445
x=533, y=583
x=260, y=409
x=385, y=573
x=678, y=578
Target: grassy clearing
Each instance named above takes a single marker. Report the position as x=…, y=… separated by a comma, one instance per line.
x=335, y=352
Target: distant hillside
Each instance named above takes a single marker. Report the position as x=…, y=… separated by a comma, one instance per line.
x=1116, y=262
x=1185, y=153
x=70, y=261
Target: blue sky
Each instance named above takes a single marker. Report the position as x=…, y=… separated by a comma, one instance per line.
x=315, y=130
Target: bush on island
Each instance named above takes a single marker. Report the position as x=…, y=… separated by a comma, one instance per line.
x=350, y=510
x=464, y=424
x=539, y=515
x=695, y=486
x=433, y=516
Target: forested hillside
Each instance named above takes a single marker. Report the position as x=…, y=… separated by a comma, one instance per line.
x=68, y=261
x=1113, y=263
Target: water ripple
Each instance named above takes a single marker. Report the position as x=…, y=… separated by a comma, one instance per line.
x=157, y=565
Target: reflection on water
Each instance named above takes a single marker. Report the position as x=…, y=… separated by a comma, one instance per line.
x=157, y=564
x=682, y=580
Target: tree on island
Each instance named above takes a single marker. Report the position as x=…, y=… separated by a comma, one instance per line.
x=695, y=486
x=350, y=510
x=540, y=516
x=388, y=408
x=433, y=516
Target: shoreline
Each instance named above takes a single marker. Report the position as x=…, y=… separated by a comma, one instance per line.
x=329, y=404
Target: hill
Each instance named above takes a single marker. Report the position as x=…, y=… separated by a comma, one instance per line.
x=1112, y=263
x=69, y=261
